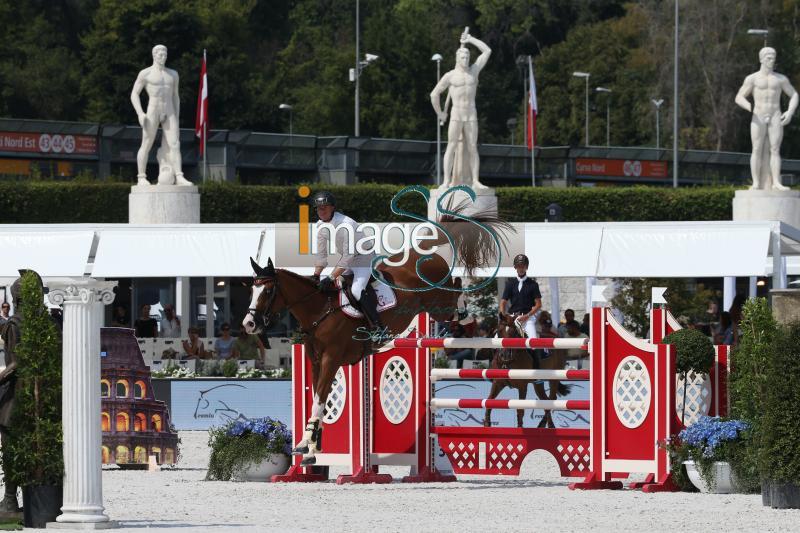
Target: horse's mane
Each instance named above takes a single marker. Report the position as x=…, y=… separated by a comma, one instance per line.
x=296, y=276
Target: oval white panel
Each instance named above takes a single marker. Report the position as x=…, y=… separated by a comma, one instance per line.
x=397, y=390
x=632, y=392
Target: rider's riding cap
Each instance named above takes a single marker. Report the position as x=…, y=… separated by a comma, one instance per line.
x=521, y=259
x=324, y=198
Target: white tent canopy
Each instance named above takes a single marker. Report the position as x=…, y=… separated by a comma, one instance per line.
x=610, y=249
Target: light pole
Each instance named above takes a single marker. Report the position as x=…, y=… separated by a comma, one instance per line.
x=658, y=103
x=608, y=113
x=585, y=76
x=287, y=107
x=675, y=105
x=355, y=75
x=438, y=58
x=512, y=125
x=762, y=33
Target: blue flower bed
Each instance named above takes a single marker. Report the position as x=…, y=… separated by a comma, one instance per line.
x=244, y=442
x=708, y=433
x=273, y=430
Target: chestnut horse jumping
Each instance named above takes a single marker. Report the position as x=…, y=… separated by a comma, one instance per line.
x=516, y=359
x=333, y=339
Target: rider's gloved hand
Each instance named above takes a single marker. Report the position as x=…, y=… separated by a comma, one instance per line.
x=325, y=284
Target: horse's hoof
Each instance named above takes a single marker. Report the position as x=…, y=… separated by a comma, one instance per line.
x=309, y=461
x=300, y=450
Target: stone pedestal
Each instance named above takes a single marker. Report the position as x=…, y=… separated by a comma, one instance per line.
x=767, y=205
x=485, y=200
x=164, y=204
x=83, y=303
x=785, y=305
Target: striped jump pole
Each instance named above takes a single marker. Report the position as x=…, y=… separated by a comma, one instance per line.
x=438, y=374
x=481, y=342
x=477, y=403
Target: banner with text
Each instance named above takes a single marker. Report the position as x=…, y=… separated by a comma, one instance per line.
x=632, y=168
x=47, y=143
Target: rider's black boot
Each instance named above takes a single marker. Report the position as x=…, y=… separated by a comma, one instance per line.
x=369, y=306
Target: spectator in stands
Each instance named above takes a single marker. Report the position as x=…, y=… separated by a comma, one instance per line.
x=569, y=316
x=724, y=333
x=248, y=347
x=5, y=311
x=459, y=354
x=544, y=326
x=193, y=347
x=585, y=324
x=573, y=331
x=224, y=343
x=119, y=318
x=485, y=330
x=145, y=325
x=170, y=324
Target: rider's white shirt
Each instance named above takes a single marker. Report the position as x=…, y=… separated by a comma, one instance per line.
x=348, y=260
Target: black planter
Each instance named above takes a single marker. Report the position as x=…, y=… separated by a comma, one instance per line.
x=766, y=493
x=785, y=496
x=41, y=504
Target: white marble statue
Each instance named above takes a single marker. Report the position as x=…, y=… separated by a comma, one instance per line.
x=163, y=109
x=766, y=126
x=461, y=162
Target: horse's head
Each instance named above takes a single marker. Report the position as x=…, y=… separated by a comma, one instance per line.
x=266, y=298
x=507, y=327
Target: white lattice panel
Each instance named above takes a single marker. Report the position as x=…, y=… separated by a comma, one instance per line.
x=632, y=392
x=575, y=456
x=397, y=390
x=505, y=456
x=698, y=397
x=334, y=405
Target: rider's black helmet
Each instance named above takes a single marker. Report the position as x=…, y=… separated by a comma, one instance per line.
x=521, y=259
x=324, y=198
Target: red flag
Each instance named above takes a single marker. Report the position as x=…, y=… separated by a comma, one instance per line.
x=201, y=121
x=533, y=108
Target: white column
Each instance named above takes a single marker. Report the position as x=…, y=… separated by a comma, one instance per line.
x=728, y=292
x=589, y=283
x=752, y=287
x=555, y=301
x=82, y=302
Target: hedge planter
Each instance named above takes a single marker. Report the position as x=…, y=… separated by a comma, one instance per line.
x=41, y=504
x=784, y=495
x=724, y=482
x=766, y=493
x=275, y=465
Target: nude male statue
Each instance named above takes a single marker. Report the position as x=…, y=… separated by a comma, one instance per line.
x=462, y=84
x=766, y=126
x=163, y=108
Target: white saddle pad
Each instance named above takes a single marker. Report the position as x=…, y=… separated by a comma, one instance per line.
x=386, y=300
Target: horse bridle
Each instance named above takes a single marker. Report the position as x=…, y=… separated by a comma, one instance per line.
x=266, y=316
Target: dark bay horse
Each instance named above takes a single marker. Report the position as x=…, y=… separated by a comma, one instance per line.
x=333, y=339
x=516, y=359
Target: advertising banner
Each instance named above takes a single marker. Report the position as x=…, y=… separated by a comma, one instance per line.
x=203, y=404
x=46, y=143
x=621, y=168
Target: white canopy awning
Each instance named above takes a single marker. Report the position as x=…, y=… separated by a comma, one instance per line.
x=171, y=251
x=48, y=250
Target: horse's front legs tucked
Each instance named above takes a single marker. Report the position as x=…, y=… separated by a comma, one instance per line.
x=312, y=436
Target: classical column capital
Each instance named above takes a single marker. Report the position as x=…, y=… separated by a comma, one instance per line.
x=83, y=291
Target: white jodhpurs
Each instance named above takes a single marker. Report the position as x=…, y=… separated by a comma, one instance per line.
x=530, y=328
x=361, y=277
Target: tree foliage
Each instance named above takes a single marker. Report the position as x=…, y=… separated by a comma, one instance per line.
x=77, y=60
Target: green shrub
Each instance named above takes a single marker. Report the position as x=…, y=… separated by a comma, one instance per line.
x=35, y=447
x=244, y=442
x=749, y=384
x=780, y=427
x=107, y=202
x=230, y=367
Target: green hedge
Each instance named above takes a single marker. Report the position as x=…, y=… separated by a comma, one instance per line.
x=52, y=202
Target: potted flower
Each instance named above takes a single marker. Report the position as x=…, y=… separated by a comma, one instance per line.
x=710, y=443
x=33, y=455
x=249, y=450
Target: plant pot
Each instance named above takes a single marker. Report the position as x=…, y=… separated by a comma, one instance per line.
x=276, y=464
x=41, y=504
x=784, y=495
x=723, y=477
x=766, y=492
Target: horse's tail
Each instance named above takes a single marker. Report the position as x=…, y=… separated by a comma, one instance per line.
x=474, y=246
x=563, y=389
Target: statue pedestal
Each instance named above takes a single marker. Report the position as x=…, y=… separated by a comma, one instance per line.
x=767, y=205
x=164, y=204
x=485, y=201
